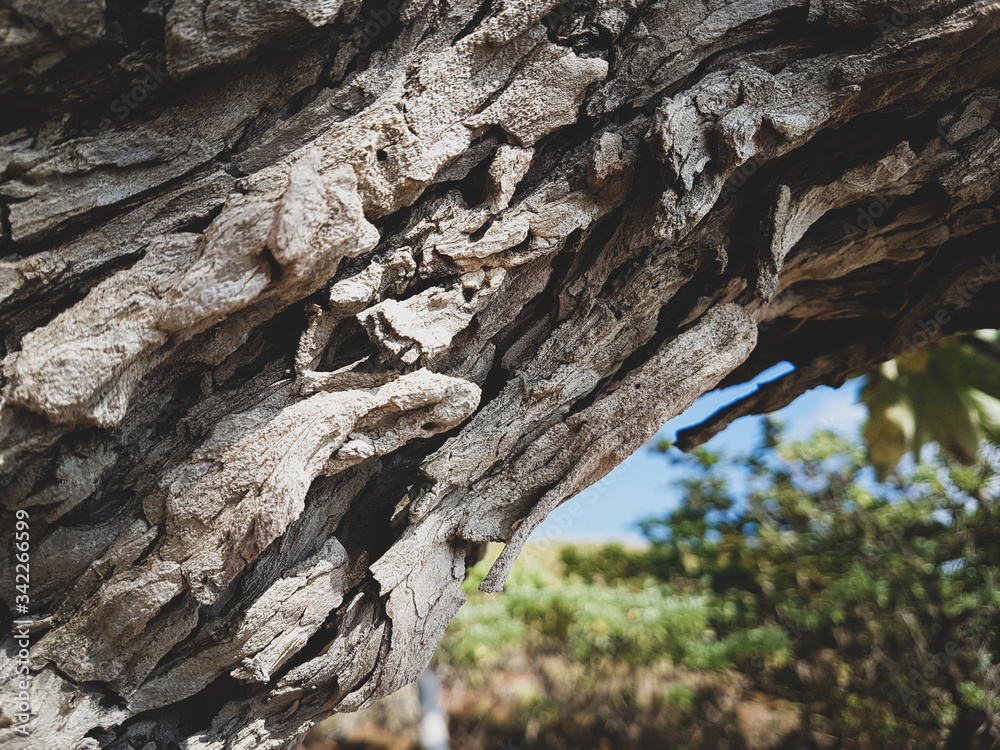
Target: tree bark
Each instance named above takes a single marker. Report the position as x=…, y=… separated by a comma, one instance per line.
x=302, y=300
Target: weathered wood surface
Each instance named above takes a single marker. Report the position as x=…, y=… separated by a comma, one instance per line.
x=301, y=300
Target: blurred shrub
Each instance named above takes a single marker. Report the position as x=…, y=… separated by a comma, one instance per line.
x=481, y=637
x=876, y=604
x=633, y=627
x=871, y=607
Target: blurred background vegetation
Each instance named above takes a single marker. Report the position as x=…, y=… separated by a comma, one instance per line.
x=837, y=591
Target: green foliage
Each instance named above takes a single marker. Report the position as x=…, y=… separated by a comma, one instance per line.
x=948, y=393
x=869, y=608
x=636, y=622
x=615, y=563
x=751, y=649
x=635, y=627
x=680, y=696
x=876, y=604
x=481, y=637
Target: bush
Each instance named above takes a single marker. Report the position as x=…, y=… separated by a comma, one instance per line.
x=875, y=603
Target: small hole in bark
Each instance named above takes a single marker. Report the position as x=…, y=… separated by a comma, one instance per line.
x=429, y=426
x=200, y=223
x=381, y=155
x=479, y=233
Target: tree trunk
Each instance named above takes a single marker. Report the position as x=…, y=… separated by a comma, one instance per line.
x=302, y=300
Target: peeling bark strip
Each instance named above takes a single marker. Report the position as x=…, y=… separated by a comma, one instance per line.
x=360, y=285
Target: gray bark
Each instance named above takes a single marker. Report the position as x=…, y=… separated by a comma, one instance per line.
x=301, y=301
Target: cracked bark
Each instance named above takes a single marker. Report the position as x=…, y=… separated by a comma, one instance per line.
x=302, y=301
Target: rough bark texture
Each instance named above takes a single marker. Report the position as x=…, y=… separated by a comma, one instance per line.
x=302, y=300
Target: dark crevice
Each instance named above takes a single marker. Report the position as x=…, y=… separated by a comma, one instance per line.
x=321, y=639
x=349, y=343
x=301, y=100
x=783, y=27
x=349, y=267
x=367, y=530
x=600, y=236
x=135, y=25
x=275, y=355
x=572, y=144
x=335, y=81
x=504, y=85
x=668, y=326
x=6, y=619
x=634, y=19
x=538, y=311
x=473, y=186
x=485, y=9
x=458, y=174
x=806, y=341
x=924, y=128
x=187, y=717
x=378, y=27
x=277, y=273
x=268, y=117
x=197, y=712
x=61, y=294
x=440, y=279
x=570, y=24
x=185, y=394
x=234, y=171
x=8, y=248
x=822, y=160
x=263, y=121
x=481, y=232
x=89, y=79
x=199, y=224
x=58, y=236
x=147, y=550
x=107, y=507
x=542, y=305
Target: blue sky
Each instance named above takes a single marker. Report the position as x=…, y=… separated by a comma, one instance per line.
x=640, y=486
